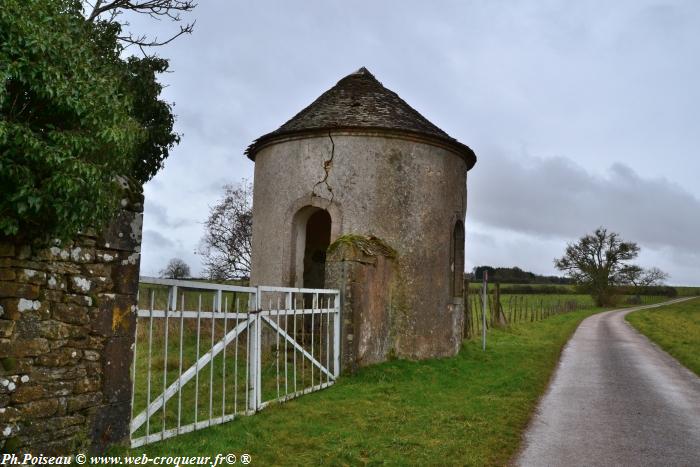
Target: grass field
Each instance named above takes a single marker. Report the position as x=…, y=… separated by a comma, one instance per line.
x=467, y=410
x=675, y=328
x=688, y=291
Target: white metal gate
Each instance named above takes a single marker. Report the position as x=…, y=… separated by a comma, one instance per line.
x=206, y=353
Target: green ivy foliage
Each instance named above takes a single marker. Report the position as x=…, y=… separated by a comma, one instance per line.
x=74, y=115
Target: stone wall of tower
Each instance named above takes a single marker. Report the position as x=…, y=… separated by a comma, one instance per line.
x=407, y=192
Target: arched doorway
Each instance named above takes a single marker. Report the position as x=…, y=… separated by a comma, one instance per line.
x=318, y=237
x=311, y=236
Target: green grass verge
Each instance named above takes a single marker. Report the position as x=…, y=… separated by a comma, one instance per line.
x=466, y=410
x=688, y=291
x=675, y=328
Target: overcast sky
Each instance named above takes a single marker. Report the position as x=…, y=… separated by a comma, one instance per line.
x=581, y=113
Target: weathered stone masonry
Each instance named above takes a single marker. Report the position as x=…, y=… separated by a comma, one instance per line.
x=66, y=328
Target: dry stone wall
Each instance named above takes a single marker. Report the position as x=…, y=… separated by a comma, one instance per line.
x=67, y=325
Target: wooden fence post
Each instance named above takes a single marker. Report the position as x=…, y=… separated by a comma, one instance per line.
x=498, y=308
x=468, y=331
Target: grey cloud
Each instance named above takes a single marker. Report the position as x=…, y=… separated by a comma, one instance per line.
x=555, y=197
x=154, y=211
x=154, y=240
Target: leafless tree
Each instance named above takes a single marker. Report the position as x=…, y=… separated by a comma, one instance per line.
x=176, y=269
x=640, y=277
x=111, y=11
x=226, y=243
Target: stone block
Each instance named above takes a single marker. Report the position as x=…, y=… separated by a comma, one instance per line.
x=6, y=328
x=40, y=432
x=110, y=425
x=9, y=415
x=60, y=357
x=102, y=284
x=124, y=233
x=53, y=254
x=125, y=279
x=97, y=270
x=28, y=264
x=88, y=384
x=114, y=316
x=91, y=355
x=70, y=373
x=69, y=313
x=52, y=295
x=31, y=276
x=81, y=254
x=77, y=299
x=82, y=401
x=15, y=289
x=38, y=409
x=7, y=274
x=106, y=256
x=27, y=393
x=52, y=329
x=116, y=360
x=63, y=268
x=57, y=344
x=23, y=347
x=88, y=342
x=60, y=389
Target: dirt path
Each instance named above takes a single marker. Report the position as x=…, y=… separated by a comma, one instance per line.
x=615, y=399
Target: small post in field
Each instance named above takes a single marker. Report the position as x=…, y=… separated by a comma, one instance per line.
x=483, y=310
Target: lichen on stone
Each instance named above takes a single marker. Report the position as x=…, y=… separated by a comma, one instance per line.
x=369, y=245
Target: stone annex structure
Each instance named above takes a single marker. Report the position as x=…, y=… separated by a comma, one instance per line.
x=67, y=325
x=360, y=192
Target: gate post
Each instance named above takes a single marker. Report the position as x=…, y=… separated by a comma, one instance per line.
x=336, y=336
x=254, y=347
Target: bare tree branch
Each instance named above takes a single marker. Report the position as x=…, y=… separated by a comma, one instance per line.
x=226, y=245
x=109, y=11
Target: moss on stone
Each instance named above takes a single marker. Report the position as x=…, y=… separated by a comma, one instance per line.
x=369, y=245
x=9, y=363
x=12, y=444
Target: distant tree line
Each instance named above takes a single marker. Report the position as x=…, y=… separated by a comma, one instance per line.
x=622, y=290
x=515, y=275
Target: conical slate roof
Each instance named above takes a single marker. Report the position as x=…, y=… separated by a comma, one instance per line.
x=359, y=101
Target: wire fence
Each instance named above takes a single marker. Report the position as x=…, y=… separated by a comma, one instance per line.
x=506, y=309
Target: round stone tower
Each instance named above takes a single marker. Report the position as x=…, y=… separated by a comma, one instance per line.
x=359, y=162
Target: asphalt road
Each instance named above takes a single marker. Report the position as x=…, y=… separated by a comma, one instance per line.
x=616, y=399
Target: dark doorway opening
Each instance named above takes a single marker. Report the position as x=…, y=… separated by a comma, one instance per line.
x=318, y=237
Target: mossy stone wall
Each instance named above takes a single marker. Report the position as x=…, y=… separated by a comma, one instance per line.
x=67, y=322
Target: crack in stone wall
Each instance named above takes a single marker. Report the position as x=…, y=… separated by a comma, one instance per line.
x=327, y=166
